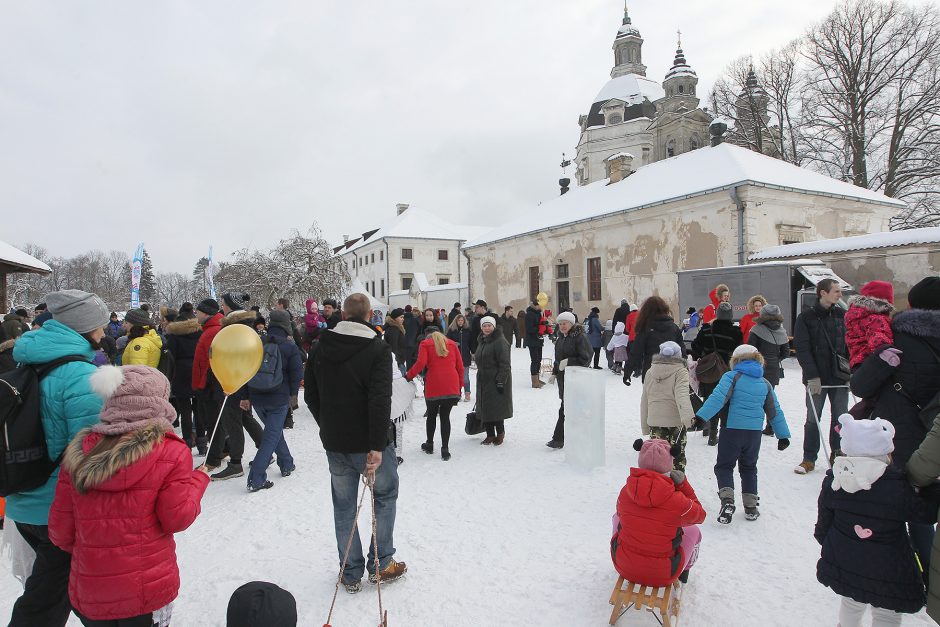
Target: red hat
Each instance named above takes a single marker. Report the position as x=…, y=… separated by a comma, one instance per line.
x=881, y=290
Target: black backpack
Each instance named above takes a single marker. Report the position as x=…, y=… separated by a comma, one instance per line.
x=167, y=363
x=25, y=458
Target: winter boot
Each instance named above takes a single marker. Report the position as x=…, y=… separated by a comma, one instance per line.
x=536, y=382
x=428, y=447
x=751, y=501
x=713, y=432
x=445, y=454
x=267, y=485
x=394, y=570
x=499, y=439
x=555, y=444
x=231, y=471
x=727, y=505
x=684, y=576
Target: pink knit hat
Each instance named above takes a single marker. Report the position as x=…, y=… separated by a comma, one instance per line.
x=134, y=397
x=655, y=455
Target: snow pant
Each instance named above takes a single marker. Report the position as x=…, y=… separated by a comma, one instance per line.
x=671, y=435
x=741, y=447
x=838, y=405
x=185, y=407
x=851, y=613
x=495, y=428
x=443, y=408
x=45, y=598
x=691, y=539
x=597, y=357
x=272, y=442
x=234, y=422
x=345, y=478
x=535, y=357
x=144, y=620
x=922, y=539
x=559, y=434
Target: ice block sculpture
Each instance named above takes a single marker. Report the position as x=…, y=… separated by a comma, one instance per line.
x=584, y=417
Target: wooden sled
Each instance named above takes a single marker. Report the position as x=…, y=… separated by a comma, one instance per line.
x=662, y=603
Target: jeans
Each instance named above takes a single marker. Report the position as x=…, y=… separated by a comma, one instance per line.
x=272, y=443
x=466, y=378
x=838, y=405
x=535, y=356
x=345, y=479
x=851, y=613
x=45, y=598
x=741, y=447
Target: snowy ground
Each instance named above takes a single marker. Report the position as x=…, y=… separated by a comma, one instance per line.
x=509, y=535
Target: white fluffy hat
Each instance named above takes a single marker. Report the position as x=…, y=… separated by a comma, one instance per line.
x=488, y=320
x=670, y=349
x=744, y=349
x=566, y=317
x=866, y=438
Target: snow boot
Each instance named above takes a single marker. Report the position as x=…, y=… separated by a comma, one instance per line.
x=352, y=587
x=445, y=454
x=394, y=570
x=751, y=501
x=684, y=576
x=428, y=447
x=536, y=382
x=713, y=432
x=231, y=471
x=727, y=505
x=556, y=444
x=488, y=440
x=264, y=486
x=499, y=439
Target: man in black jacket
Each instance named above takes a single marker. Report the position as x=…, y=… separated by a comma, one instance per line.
x=533, y=341
x=348, y=388
x=621, y=314
x=481, y=310
x=819, y=338
x=331, y=313
x=453, y=313
x=412, y=326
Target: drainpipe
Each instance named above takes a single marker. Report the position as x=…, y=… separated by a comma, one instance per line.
x=465, y=254
x=388, y=276
x=733, y=193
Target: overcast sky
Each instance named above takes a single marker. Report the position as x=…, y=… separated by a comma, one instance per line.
x=230, y=122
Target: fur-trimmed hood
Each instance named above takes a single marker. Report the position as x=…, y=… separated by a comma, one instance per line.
x=918, y=322
x=762, y=318
x=184, y=327
x=240, y=316
x=752, y=300
x=872, y=304
x=97, y=470
x=755, y=356
x=8, y=345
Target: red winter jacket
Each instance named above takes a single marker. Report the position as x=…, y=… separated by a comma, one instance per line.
x=711, y=311
x=201, y=360
x=867, y=327
x=630, y=324
x=120, y=530
x=747, y=323
x=444, y=377
x=645, y=548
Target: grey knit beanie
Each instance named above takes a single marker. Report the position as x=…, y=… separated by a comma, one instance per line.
x=137, y=317
x=83, y=312
x=725, y=312
x=280, y=318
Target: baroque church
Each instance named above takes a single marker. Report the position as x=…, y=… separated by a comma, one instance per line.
x=640, y=117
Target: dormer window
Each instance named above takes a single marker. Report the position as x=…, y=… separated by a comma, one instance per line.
x=681, y=89
x=614, y=118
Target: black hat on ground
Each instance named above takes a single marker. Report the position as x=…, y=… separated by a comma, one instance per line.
x=926, y=294
x=261, y=604
x=208, y=306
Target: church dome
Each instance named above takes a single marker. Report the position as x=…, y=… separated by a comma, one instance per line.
x=637, y=92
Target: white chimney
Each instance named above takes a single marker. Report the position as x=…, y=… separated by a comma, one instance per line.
x=345, y=239
x=401, y=208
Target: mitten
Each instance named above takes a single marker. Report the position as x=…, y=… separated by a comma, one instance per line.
x=782, y=444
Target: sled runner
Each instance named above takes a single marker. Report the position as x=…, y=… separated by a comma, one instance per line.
x=662, y=603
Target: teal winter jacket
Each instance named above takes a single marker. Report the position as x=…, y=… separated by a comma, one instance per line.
x=751, y=401
x=67, y=405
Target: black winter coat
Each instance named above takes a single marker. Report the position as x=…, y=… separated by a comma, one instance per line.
x=646, y=344
x=412, y=327
x=532, y=318
x=6, y=356
x=461, y=337
x=919, y=375
x=348, y=388
x=181, y=339
x=507, y=326
x=726, y=336
x=813, y=351
x=452, y=315
x=576, y=348
x=878, y=566
x=494, y=370
x=396, y=341
x=770, y=339
x=621, y=315
x=475, y=329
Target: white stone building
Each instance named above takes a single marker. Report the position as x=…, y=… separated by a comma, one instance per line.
x=386, y=259
x=627, y=237
x=636, y=115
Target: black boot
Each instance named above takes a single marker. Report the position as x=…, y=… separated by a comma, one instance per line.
x=713, y=432
x=428, y=447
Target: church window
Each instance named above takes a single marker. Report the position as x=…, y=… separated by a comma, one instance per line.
x=671, y=148
x=407, y=253
x=615, y=118
x=632, y=55
x=681, y=89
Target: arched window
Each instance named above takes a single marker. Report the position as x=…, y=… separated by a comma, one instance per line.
x=671, y=148
x=681, y=89
x=632, y=55
x=614, y=118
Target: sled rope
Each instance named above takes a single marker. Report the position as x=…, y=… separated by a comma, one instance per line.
x=368, y=481
x=216, y=427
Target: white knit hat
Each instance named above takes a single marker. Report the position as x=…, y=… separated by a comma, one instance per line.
x=566, y=317
x=488, y=320
x=669, y=349
x=744, y=349
x=866, y=438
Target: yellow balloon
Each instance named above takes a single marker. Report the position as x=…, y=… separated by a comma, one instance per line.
x=235, y=356
x=542, y=299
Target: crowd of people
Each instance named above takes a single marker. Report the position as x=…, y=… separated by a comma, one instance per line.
x=110, y=408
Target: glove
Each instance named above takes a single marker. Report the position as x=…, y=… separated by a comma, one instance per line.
x=677, y=477
x=500, y=388
x=782, y=444
x=698, y=424
x=293, y=403
x=891, y=356
x=814, y=386
x=562, y=365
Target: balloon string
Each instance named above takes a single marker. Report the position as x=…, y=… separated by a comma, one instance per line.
x=216, y=427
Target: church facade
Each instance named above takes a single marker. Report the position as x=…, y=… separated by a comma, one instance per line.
x=638, y=116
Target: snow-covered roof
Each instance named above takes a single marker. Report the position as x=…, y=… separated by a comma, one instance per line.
x=16, y=260
x=616, y=156
x=414, y=223
x=631, y=88
x=886, y=239
x=693, y=173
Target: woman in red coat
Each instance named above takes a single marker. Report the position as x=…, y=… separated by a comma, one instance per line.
x=655, y=538
x=754, y=306
x=126, y=486
x=442, y=382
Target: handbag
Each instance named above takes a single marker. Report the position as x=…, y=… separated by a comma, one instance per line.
x=473, y=426
x=712, y=366
x=843, y=370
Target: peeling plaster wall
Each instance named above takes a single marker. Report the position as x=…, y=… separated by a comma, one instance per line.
x=642, y=250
